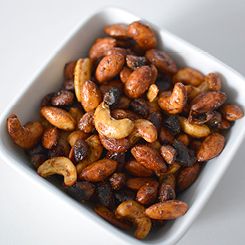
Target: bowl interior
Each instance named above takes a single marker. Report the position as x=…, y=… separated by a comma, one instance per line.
x=50, y=79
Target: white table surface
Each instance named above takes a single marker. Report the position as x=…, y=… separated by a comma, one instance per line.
x=31, y=30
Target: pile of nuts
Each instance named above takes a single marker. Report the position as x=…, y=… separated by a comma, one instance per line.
x=129, y=130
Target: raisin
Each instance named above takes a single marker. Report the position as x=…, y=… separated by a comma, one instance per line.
x=166, y=192
x=134, y=61
x=46, y=100
x=112, y=97
x=116, y=156
x=80, y=150
x=172, y=123
x=105, y=195
x=156, y=119
x=124, y=195
x=140, y=107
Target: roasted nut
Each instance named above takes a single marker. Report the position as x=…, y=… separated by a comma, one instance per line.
x=161, y=60
x=136, y=183
x=50, y=137
x=166, y=192
x=138, y=82
x=194, y=130
x=86, y=123
x=232, y=112
x=143, y=35
x=99, y=171
x=174, y=102
x=117, y=30
x=109, y=216
x=115, y=145
x=76, y=113
x=69, y=85
x=82, y=73
x=121, y=114
x=58, y=117
x=224, y=125
x=168, y=153
x=117, y=181
x=140, y=107
x=25, y=136
x=81, y=191
x=184, y=138
x=187, y=176
x=147, y=193
x=81, y=149
x=75, y=135
x=188, y=76
x=109, y=67
x=110, y=127
x=112, y=97
x=172, y=169
x=165, y=136
x=168, y=210
x=155, y=145
x=69, y=70
x=134, y=62
x=156, y=119
x=59, y=165
x=212, y=81
x=62, y=98
x=137, y=169
x=168, y=179
x=100, y=47
x=123, y=51
x=116, y=156
x=136, y=213
x=125, y=73
x=211, y=147
x=172, y=123
x=148, y=157
x=216, y=119
x=152, y=92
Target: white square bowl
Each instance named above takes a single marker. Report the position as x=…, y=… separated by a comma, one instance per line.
x=49, y=79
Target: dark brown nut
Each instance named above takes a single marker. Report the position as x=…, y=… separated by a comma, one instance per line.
x=109, y=67
x=138, y=82
x=99, y=171
x=172, y=123
x=137, y=169
x=215, y=120
x=187, y=177
x=116, y=156
x=120, y=114
x=174, y=103
x=147, y=193
x=109, y=216
x=91, y=96
x=143, y=35
x=136, y=183
x=134, y=212
x=148, y=157
x=168, y=179
x=168, y=153
x=69, y=85
x=161, y=60
x=165, y=136
x=81, y=150
x=62, y=98
x=224, y=125
x=152, y=92
x=213, y=82
x=125, y=73
x=100, y=47
x=123, y=102
x=112, y=97
x=184, y=155
x=105, y=195
x=114, y=145
x=168, y=210
x=81, y=191
x=211, y=147
x=200, y=118
x=156, y=119
x=69, y=70
x=140, y=107
x=86, y=123
x=58, y=117
x=50, y=137
x=188, y=76
x=166, y=192
x=117, y=30
x=134, y=62
x=232, y=112
x=118, y=50
x=26, y=136
x=117, y=181
x=184, y=138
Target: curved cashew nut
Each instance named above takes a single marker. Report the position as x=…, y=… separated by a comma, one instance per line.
x=109, y=126
x=24, y=136
x=136, y=213
x=174, y=102
x=143, y=129
x=59, y=165
x=194, y=130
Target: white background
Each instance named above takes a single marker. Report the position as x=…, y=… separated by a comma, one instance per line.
x=31, y=30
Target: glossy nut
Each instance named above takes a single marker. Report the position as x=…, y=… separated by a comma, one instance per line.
x=117, y=181
x=125, y=73
x=135, y=212
x=50, y=137
x=166, y=192
x=117, y=30
x=168, y=153
x=76, y=113
x=212, y=81
x=75, y=135
x=58, y=117
x=137, y=169
x=26, y=136
x=86, y=122
x=136, y=183
x=121, y=114
x=110, y=127
x=62, y=98
x=59, y=165
x=147, y=193
x=174, y=102
x=232, y=112
x=152, y=92
x=69, y=70
x=134, y=62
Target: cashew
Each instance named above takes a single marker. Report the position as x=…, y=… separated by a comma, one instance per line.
x=59, y=165
x=143, y=129
x=175, y=102
x=152, y=92
x=109, y=126
x=194, y=130
x=75, y=135
x=135, y=212
x=24, y=136
x=82, y=73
